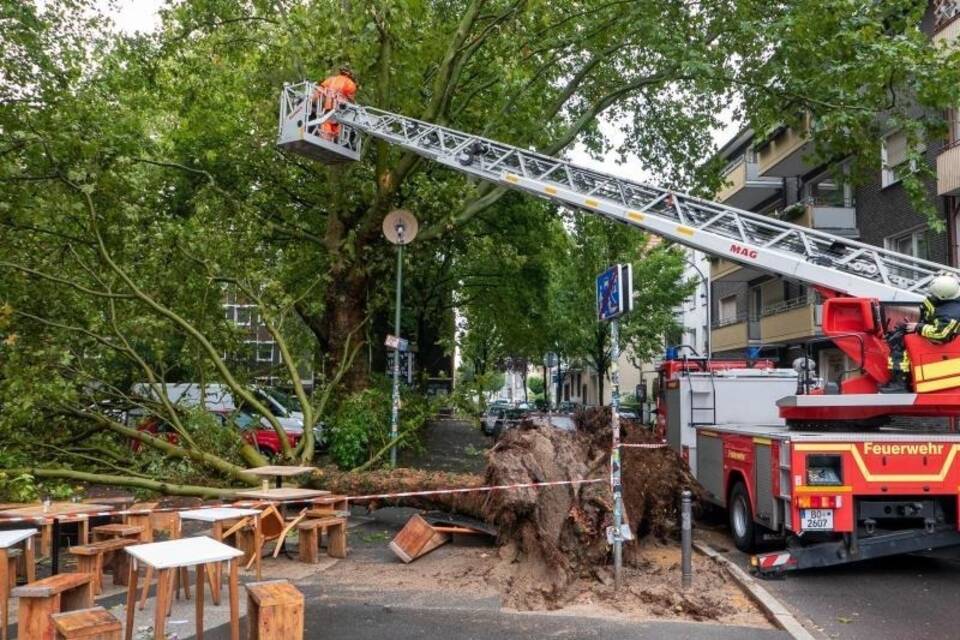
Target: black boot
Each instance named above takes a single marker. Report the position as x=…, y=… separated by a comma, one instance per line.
x=897, y=384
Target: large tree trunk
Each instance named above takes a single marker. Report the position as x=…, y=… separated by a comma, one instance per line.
x=344, y=314
x=377, y=483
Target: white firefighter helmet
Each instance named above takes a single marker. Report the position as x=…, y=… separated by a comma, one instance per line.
x=945, y=286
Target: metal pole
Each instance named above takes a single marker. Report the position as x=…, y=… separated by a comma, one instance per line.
x=686, y=541
x=615, y=454
x=395, y=408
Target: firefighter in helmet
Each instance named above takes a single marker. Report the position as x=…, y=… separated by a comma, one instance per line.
x=939, y=323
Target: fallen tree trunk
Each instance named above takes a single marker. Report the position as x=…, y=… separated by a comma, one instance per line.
x=390, y=481
x=124, y=481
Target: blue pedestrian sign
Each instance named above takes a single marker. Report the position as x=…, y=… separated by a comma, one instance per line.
x=615, y=292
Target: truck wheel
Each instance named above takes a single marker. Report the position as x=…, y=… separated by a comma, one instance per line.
x=740, y=513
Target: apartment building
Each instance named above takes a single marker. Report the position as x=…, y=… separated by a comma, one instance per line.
x=773, y=175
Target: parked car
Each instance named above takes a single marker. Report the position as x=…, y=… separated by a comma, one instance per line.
x=568, y=407
x=489, y=418
x=508, y=419
x=218, y=400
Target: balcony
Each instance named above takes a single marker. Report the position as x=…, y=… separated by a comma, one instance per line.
x=744, y=187
x=838, y=220
x=720, y=268
x=783, y=152
x=948, y=168
x=730, y=334
x=947, y=26
x=790, y=321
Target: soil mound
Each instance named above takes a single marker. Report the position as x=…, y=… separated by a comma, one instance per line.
x=554, y=536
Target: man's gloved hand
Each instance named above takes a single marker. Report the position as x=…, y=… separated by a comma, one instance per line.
x=911, y=327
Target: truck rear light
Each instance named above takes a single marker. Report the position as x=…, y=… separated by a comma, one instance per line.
x=820, y=502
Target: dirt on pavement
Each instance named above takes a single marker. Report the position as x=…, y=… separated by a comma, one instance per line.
x=471, y=568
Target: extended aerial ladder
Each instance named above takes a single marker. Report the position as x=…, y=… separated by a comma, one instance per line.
x=852, y=275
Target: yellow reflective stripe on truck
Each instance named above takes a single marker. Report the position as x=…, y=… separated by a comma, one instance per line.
x=869, y=476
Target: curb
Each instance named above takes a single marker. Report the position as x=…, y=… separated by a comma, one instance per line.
x=770, y=605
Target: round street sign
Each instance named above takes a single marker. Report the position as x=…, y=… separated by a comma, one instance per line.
x=400, y=226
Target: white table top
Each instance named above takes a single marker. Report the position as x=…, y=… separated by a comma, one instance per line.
x=14, y=536
x=183, y=552
x=217, y=514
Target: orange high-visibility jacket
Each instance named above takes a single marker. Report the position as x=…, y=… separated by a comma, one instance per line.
x=341, y=85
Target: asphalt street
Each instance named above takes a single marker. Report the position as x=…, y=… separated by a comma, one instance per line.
x=377, y=615
x=912, y=596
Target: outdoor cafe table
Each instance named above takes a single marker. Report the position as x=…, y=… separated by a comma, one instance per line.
x=50, y=529
x=7, y=540
x=280, y=472
x=283, y=494
x=166, y=557
x=216, y=516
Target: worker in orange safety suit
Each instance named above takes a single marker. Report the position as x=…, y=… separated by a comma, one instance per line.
x=342, y=87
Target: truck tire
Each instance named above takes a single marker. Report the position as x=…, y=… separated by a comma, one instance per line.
x=740, y=514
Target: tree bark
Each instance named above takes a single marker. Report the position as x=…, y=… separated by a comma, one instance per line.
x=125, y=481
x=346, y=310
x=375, y=483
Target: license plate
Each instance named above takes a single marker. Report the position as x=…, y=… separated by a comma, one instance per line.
x=816, y=519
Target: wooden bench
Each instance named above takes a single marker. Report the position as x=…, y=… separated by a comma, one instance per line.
x=274, y=611
x=119, y=530
x=87, y=624
x=90, y=559
x=41, y=599
x=310, y=532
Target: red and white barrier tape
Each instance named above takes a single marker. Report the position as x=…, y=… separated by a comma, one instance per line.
x=658, y=445
x=499, y=487
x=322, y=499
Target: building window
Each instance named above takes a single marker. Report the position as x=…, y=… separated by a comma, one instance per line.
x=912, y=243
x=728, y=309
x=243, y=316
x=893, y=157
x=264, y=352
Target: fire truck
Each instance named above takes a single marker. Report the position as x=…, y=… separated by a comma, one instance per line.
x=820, y=465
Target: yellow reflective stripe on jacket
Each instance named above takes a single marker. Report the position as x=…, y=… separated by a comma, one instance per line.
x=934, y=331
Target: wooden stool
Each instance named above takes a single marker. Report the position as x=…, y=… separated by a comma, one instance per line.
x=145, y=520
x=90, y=559
x=328, y=506
x=87, y=624
x=274, y=611
x=113, y=531
x=41, y=599
x=310, y=532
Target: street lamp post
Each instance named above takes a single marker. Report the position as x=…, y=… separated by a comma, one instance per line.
x=400, y=228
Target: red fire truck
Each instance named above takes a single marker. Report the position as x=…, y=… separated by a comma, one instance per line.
x=819, y=464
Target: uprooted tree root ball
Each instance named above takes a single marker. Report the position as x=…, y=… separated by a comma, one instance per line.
x=557, y=535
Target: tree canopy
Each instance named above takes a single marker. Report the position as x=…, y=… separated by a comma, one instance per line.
x=139, y=181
